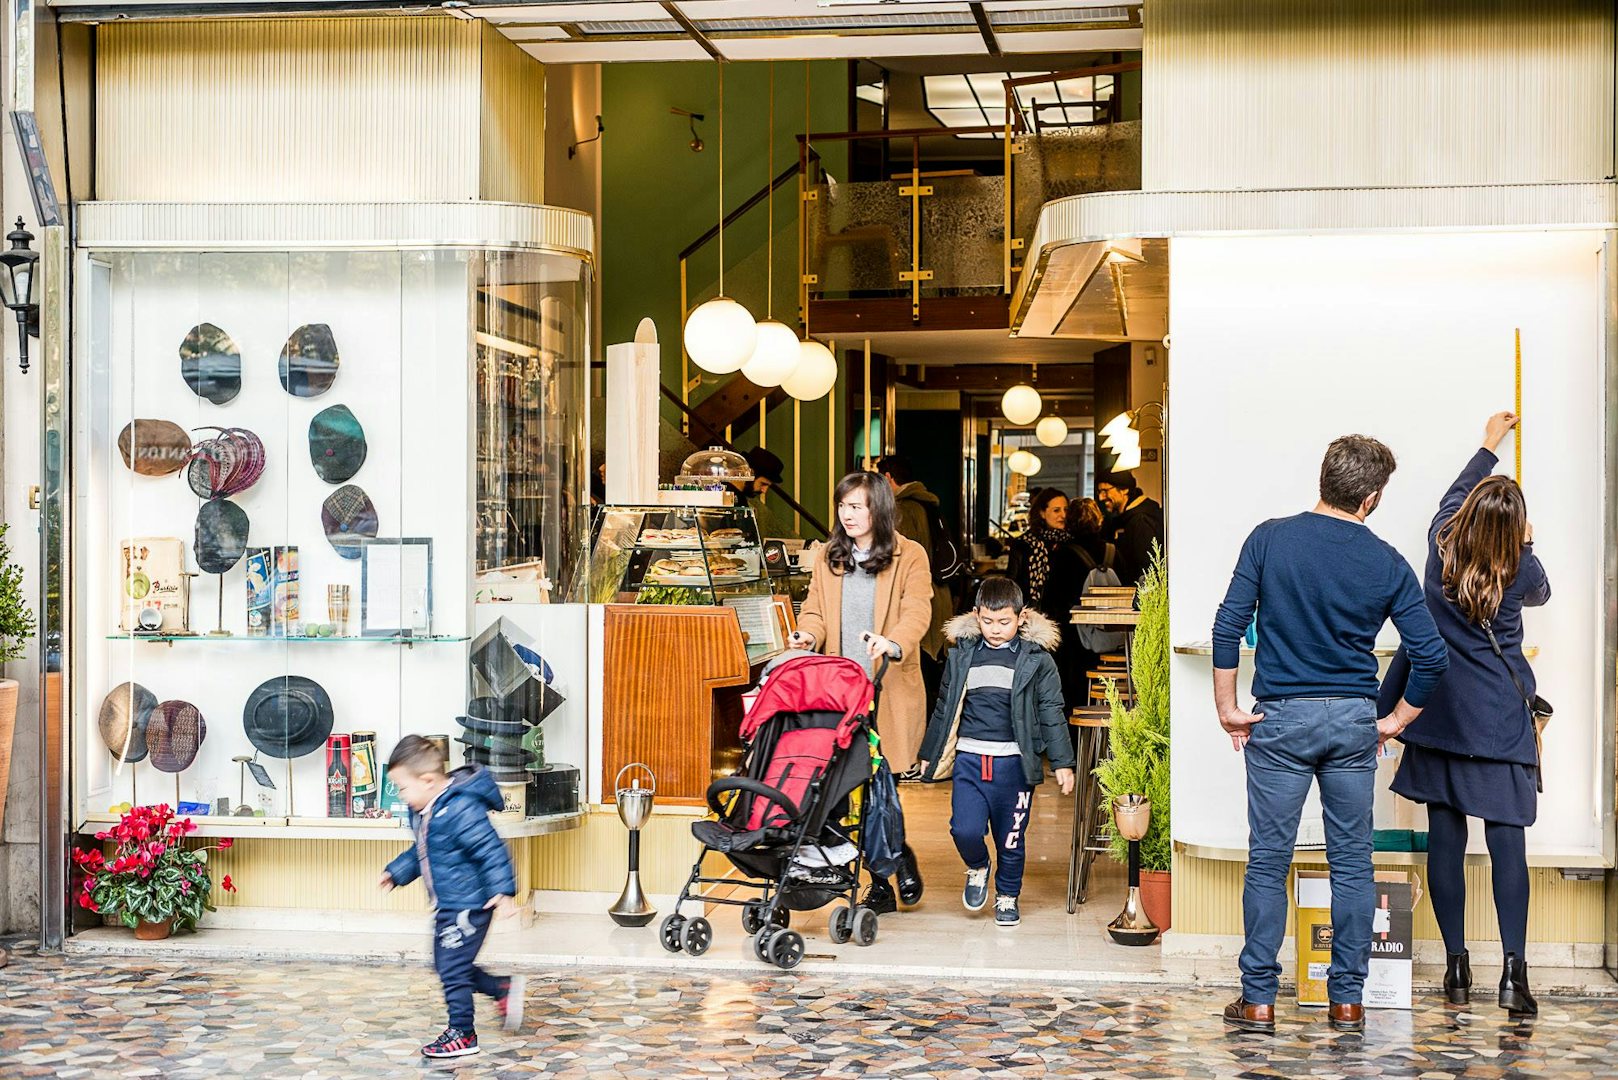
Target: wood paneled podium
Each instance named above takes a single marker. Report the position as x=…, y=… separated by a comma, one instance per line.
x=673, y=678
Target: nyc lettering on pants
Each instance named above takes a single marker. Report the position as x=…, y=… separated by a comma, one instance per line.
x=990, y=795
x=457, y=937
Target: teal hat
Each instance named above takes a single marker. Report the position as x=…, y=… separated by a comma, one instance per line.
x=336, y=444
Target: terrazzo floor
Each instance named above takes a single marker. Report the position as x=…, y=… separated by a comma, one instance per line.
x=83, y=1016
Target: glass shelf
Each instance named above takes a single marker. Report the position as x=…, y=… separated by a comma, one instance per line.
x=170, y=639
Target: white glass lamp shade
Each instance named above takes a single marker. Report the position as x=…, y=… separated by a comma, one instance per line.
x=720, y=336
x=1121, y=441
x=1116, y=425
x=1051, y=431
x=1021, y=462
x=1021, y=404
x=815, y=374
x=775, y=356
x=1128, y=458
x=1032, y=466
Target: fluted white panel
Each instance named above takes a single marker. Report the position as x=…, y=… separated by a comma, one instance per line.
x=1287, y=93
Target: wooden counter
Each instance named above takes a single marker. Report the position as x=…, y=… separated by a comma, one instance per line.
x=661, y=668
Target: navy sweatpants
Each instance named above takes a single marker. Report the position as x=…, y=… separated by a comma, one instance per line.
x=457, y=937
x=990, y=795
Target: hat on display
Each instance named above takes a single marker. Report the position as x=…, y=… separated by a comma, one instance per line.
x=514, y=728
x=309, y=361
x=126, y=712
x=211, y=364
x=221, y=538
x=154, y=447
x=174, y=735
x=225, y=464
x=348, y=516
x=499, y=759
x=288, y=716
x=336, y=444
x=534, y=661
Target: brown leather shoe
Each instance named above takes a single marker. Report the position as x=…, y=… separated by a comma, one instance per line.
x=1347, y=1017
x=1243, y=1015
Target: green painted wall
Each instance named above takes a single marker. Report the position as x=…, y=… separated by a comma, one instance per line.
x=658, y=196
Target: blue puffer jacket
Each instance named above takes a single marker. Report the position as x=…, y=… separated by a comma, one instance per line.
x=467, y=862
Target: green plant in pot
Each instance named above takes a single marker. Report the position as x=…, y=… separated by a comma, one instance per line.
x=1139, y=761
x=16, y=629
x=153, y=882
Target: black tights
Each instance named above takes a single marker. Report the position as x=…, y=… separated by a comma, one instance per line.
x=1446, y=875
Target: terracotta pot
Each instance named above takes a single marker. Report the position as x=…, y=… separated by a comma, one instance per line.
x=1157, y=895
x=153, y=931
x=8, y=728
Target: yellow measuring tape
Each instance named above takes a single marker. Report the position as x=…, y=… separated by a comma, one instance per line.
x=1517, y=439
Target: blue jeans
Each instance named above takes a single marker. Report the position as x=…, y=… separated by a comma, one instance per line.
x=1331, y=741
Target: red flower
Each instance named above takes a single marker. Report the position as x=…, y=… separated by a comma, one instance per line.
x=145, y=873
x=103, y=835
x=226, y=885
x=86, y=902
x=226, y=844
x=185, y=887
x=158, y=849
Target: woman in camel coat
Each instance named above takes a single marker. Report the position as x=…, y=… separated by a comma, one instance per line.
x=848, y=614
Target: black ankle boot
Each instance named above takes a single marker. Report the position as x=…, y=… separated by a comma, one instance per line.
x=1458, y=978
x=1514, y=995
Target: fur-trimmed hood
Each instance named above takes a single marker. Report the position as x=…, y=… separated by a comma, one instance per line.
x=1036, y=628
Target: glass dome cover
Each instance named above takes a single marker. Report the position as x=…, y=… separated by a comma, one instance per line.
x=713, y=465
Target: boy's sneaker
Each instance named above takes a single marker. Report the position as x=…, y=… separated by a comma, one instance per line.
x=509, y=1004
x=976, y=893
x=453, y=1043
x=1005, y=911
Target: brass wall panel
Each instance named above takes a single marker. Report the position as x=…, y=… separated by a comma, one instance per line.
x=380, y=109
x=513, y=122
x=1282, y=94
x=1208, y=900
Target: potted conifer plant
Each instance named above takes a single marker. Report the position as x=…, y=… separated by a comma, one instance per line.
x=1139, y=761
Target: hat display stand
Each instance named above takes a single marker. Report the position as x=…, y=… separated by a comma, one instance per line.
x=219, y=620
x=512, y=695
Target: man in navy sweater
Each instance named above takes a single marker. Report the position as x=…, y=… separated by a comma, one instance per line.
x=1323, y=585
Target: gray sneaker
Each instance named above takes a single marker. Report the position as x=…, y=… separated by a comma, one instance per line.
x=1005, y=911
x=976, y=893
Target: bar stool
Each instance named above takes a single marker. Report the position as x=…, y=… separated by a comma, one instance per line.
x=1094, y=726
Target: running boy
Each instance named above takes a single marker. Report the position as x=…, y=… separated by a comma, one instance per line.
x=468, y=874
x=999, y=708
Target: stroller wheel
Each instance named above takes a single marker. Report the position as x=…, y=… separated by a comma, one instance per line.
x=761, y=942
x=696, y=936
x=669, y=932
x=786, y=949
x=840, y=926
x=752, y=917
x=864, y=926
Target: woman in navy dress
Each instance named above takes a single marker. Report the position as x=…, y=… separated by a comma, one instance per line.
x=1471, y=752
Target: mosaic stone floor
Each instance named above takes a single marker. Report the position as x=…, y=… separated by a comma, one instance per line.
x=101, y=1017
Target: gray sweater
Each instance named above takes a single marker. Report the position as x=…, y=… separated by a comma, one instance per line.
x=859, y=612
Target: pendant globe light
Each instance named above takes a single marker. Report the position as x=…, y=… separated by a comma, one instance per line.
x=1051, y=431
x=720, y=335
x=1033, y=465
x=775, y=356
x=1021, y=404
x=816, y=372
x=1022, y=463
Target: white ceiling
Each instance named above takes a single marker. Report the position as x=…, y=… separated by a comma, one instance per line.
x=623, y=31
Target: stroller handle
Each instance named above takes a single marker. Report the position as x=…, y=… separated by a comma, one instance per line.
x=748, y=784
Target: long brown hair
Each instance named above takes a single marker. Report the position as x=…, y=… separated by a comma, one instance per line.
x=1481, y=547
x=884, y=516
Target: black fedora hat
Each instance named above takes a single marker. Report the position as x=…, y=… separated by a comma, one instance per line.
x=494, y=759
x=496, y=725
x=288, y=716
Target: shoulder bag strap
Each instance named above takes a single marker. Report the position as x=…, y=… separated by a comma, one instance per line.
x=1534, y=724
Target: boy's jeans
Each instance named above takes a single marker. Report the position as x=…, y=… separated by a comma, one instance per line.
x=1332, y=741
x=990, y=794
x=457, y=937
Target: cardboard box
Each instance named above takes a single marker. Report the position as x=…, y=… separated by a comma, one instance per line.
x=1387, y=984
x=260, y=591
x=286, y=620
x=154, y=580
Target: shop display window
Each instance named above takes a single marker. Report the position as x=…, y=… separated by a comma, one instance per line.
x=293, y=472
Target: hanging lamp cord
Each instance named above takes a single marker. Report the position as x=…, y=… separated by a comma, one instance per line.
x=721, y=179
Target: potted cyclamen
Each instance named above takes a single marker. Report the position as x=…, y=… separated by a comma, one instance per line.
x=152, y=882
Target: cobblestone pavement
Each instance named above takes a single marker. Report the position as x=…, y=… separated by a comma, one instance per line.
x=90, y=1017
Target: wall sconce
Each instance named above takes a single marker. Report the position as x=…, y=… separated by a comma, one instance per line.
x=601, y=129
x=696, y=142
x=17, y=288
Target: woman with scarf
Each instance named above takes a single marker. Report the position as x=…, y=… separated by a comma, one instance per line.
x=1049, y=565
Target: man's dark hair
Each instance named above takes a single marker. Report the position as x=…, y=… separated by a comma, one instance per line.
x=898, y=467
x=1354, y=468
x=766, y=464
x=998, y=593
x=418, y=755
x=1123, y=481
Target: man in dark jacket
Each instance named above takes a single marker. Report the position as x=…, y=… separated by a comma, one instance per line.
x=916, y=506
x=999, y=710
x=468, y=874
x=1136, y=523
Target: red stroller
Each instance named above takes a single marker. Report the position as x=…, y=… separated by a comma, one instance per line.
x=806, y=751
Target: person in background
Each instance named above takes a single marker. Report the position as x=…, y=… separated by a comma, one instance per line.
x=469, y=878
x=916, y=508
x=870, y=594
x=1136, y=524
x=767, y=473
x=1472, y=753
x=1086, y=522
x=1049, y=567
x=1323, y=584
x=1000, y=713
